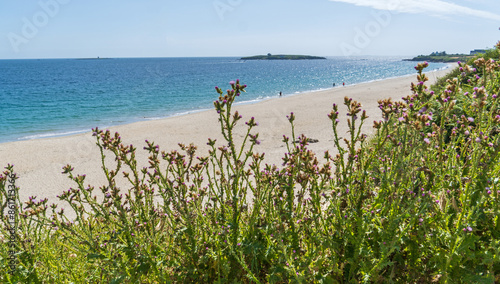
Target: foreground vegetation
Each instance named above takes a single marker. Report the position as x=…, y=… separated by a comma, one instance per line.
x=418, y=203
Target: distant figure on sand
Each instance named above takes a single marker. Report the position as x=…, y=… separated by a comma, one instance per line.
x=343, y=84
x=281, y=94
x=334, y=84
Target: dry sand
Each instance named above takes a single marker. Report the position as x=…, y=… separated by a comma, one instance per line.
x=39, y=163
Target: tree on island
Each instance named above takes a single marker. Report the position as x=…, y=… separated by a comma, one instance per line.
x=442, y=53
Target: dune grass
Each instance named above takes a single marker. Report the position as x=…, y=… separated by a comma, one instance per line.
x=418, y=203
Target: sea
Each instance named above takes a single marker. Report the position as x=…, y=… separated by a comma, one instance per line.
x=41, y=98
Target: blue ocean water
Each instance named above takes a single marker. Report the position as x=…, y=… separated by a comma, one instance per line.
x=54, y=97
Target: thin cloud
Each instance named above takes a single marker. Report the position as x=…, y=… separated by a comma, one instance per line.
x=431, y=7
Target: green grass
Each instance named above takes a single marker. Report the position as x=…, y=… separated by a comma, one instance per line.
x=418, y=203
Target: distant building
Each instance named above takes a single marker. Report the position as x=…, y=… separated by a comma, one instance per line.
x=477, y=51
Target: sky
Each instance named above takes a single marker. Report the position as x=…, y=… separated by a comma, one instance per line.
x=199, y=28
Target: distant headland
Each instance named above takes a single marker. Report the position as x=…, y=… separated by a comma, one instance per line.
x=269, y=56
x=445, y=57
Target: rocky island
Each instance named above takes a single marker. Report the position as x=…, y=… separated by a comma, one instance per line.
x=269, y=56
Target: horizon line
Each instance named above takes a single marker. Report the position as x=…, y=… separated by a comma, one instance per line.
x=152, y=57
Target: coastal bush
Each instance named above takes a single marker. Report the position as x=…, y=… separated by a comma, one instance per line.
x=418, y=203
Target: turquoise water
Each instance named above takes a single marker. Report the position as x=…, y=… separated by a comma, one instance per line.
x=54, y=97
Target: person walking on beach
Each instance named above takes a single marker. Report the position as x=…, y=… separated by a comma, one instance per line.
x=281, y=94
x=343, y=84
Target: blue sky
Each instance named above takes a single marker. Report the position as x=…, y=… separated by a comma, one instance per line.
x=165, y=28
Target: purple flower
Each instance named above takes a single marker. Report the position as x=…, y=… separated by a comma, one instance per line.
x=426, y=140
x=470, y=119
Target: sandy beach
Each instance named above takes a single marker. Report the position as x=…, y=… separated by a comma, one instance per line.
x=39, y=163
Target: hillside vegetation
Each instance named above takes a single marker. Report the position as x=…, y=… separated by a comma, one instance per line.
x=442, y=57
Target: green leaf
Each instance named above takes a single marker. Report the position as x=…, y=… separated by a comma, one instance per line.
x=95, y=256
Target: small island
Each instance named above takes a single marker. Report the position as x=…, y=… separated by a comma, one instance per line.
x=92, y=58
x=269, y=56
x=441, y=57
